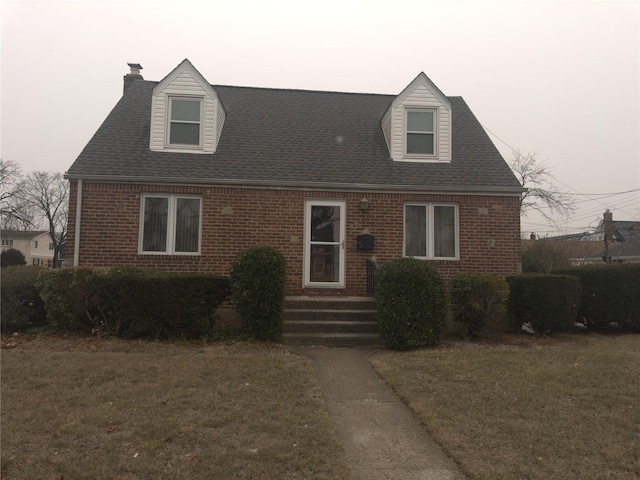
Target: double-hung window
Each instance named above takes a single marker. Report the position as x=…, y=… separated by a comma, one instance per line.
x=185, y=121
x=170, y=224
x=431, y=231
x=421, y=134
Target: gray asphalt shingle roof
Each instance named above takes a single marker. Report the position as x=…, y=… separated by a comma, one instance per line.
x=283, y=137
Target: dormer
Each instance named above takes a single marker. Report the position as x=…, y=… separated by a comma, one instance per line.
x=417, y=125
x=186, y=113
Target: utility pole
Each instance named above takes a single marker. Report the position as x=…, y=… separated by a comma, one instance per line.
x=607, y=226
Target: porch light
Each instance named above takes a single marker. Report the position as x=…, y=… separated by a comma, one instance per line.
x=364, y=204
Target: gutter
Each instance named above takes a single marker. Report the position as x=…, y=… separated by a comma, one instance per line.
x=291, y=185
x=76, y=238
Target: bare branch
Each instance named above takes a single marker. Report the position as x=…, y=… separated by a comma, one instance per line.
x=542, y=195
x=9, y=176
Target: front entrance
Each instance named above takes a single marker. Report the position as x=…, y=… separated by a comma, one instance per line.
x=324, y=231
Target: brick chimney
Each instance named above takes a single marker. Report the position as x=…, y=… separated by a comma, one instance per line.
x=129, y=78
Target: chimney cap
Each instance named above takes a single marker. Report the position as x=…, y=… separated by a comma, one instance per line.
x=135, y=68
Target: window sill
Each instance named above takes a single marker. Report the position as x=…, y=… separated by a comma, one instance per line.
x=165, y=256
x=421, y=159
x=185, y=149
x=437, y=259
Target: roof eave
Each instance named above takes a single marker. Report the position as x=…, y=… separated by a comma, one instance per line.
x=297, y=185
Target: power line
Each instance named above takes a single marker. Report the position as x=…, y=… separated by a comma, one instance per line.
x=560, y=181
x=610, y=194
x=607, y=196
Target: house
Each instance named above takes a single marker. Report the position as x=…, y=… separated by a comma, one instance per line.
x=183, y=175
x=622, y=252
x=621, y=239
x=36, y=246
x=622, y=244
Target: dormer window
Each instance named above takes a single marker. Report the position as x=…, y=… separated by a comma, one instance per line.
x=421, y=133
x=417, y=125
x=184, y=121
x=186, y=113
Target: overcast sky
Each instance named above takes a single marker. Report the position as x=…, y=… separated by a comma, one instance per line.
x=560, y=78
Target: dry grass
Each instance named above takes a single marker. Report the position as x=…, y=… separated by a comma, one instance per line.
x=565, y=408
x=111, y=409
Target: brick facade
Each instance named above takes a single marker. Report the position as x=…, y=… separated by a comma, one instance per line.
x=237, y=218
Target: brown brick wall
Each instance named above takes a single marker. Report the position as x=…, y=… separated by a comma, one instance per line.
x=237, y=218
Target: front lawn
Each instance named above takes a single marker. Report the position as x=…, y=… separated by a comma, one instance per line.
x=112, y=409
x=561, y=408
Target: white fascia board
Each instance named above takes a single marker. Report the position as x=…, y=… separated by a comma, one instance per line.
x=290, y=185
x=193, y=71
x=424, y=80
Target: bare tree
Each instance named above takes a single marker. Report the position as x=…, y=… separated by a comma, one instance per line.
x=48, y=194
x=14, y=214
x=542, y=195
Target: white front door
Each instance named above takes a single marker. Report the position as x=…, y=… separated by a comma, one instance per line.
x=324, y=229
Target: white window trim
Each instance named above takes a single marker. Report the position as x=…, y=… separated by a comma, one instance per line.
x=421, y=157
x=306, y=281
x=430, y=230
x=183, y=146
x=171, y=225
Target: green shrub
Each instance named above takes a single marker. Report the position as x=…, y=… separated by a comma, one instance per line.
x=411, y=300
x=135, y=302
x=257, y=287
x=610, y=293
x=20, y=301
x=65, y=292
x=12, y=257
x=478, y=299
x=548, y=302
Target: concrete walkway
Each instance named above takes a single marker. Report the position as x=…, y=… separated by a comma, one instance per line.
x=382, y=438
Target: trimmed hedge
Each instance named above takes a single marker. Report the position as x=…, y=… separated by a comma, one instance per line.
x=20, y=300
x=478, y=299
x=257, y=287
x=548, y=302
x=135, y=302
x=65, y=292
x=610, y=293
x=411, y=300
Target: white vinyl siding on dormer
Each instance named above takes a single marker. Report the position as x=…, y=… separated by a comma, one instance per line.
x=185, y=82
x=420, y=95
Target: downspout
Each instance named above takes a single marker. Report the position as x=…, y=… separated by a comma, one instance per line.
x=76, y=239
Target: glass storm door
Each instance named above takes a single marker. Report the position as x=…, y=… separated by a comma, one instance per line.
x=324, y=243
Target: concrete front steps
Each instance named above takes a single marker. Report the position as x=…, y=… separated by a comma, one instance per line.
x=330, y=321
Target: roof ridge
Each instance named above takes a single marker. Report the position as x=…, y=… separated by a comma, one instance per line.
x=279, y=89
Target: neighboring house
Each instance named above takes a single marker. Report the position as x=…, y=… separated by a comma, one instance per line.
x=623, y=252
x=622, y=246
x=621, y=231
x=36, y=246
x=184, y=175
x=42, y=250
